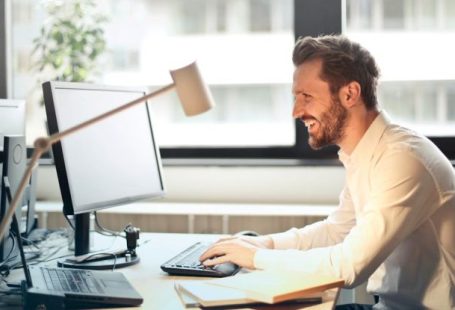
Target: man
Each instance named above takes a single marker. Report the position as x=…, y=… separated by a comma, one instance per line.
x=395, y=224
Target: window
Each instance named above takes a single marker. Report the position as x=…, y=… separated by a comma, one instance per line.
x=414, y=44
x=244, y=48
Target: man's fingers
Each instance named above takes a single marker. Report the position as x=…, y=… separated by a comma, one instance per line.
x=214, y=250
x=215, y=261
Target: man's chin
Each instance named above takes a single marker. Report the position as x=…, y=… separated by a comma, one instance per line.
x=314, y=145
x=317, y=144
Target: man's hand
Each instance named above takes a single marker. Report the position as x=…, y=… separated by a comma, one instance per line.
x=238, y=250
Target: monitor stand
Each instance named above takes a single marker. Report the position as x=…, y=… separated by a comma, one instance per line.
x=97, y=260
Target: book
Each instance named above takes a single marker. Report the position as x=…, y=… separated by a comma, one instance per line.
x=257, y=287
x=187, y=301
x=274, y=287
x=197, y=295
x=209, y=295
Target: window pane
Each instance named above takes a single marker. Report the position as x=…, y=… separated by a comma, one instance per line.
x=243, y=48
x=426, y=11
x=394, y=17
x=449, y=6
x=413, y=43
x=260, y=15
x=359, y=14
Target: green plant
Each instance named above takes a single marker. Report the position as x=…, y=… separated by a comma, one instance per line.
x=70, y=41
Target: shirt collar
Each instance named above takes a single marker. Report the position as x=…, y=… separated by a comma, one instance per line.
x=365, y=148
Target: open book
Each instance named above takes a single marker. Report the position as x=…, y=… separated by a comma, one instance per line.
x=259, y=286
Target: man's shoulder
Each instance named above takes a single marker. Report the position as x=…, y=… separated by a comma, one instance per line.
x=397, y=138
x=400, y=147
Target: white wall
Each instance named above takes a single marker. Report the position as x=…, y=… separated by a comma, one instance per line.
x=294, y=185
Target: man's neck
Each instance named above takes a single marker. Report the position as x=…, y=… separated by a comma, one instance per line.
x=358, y=124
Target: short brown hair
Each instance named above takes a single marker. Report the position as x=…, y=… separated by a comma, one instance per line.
x=343, y=61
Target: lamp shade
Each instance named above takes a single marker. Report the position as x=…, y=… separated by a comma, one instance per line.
x=193, y=93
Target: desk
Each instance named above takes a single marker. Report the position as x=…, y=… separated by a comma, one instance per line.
x=156, y=286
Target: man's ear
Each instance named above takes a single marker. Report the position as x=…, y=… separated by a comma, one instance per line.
x=350, y=94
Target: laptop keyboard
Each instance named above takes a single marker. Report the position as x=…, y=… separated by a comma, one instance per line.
x=187, y=263
x=70, y=280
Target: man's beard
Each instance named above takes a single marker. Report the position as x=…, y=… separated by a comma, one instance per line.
x=332, y=125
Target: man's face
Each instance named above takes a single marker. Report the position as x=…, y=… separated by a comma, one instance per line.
x=322, y=113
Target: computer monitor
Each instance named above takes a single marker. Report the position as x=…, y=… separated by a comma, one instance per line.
x=12, y=123
x=114, y=162
x=14, y=162
x=12, y=118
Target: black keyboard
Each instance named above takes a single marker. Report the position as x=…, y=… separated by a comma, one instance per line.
x=187, y=263
x=70, y=280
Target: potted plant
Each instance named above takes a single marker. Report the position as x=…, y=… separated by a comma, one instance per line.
x=68, y=48
x=70, y=42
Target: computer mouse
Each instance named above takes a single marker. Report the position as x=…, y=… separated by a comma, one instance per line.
x=247, y=233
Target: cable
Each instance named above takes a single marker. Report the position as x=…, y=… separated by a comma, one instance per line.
x=31, y=242
x=13, y=246
x=104, y=231
x=5, y=268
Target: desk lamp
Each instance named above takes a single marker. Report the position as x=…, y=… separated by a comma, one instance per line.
x=194, y=96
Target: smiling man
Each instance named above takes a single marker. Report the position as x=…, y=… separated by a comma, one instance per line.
x=395, y=223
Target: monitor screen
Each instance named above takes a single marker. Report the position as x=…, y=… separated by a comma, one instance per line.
x=12, y=118
x=113, y=162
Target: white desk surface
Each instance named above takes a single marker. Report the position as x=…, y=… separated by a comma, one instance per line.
x=156, y=286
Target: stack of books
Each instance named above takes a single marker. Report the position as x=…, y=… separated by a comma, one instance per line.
x=256, y=287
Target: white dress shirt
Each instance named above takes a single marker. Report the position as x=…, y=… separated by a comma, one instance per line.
x=395, y=225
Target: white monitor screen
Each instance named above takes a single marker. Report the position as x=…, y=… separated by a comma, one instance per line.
x=12, y=118
x=115, y=161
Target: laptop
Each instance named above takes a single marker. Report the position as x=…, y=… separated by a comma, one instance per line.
x=61, y=288
x=64, y=288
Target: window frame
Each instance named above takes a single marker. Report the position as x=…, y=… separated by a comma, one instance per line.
x=311, y=18
x=4, y=57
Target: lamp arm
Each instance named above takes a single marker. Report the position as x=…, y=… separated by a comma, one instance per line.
x=43, y=144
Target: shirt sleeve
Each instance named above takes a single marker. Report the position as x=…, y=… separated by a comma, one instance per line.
x=323, y=233
x=402, y=193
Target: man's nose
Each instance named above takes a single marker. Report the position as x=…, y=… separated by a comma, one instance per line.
x=299, y=108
